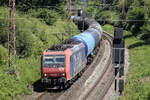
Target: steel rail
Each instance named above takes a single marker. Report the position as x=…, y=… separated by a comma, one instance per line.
x=112, y=78
x=105, y=90
x=98, y=56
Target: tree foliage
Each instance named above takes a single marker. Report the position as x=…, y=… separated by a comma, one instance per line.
x=3, y=55
x=35, y=32
x=25, y=5
x=46, y=15
x=134, y=19
x=146, y=31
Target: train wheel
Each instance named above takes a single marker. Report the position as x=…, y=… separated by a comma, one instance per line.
x=65, y=86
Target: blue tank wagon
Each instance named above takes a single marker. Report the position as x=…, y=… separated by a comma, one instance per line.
x=62, y=63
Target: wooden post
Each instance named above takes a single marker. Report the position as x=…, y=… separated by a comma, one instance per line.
x=9, y=25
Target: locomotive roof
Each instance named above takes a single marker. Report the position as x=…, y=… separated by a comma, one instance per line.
x=64, y=45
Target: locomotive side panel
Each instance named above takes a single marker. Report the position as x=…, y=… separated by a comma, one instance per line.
x=77, y=61
x=72, y=53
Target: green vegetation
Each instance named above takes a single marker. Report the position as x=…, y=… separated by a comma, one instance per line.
x=108, y=28
x=3, y=55
x=138, y=77
x=35, y=32
x=137, y=37
x=38, y=20
x=135, y=19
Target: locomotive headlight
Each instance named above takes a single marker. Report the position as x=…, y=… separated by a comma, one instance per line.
x=63, y=74
x=45, y=74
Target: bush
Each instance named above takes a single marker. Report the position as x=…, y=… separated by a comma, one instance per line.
x=107, y=17
x=32, y=37
x=145, y=31
x=136, y=19
x=3, y=25
x=48, y=16
x=29, y=69
x=3, y=55
x=108, y=28
x=27, y=42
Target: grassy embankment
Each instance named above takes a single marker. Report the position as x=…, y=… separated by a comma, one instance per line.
x=137, y=85
x=33, y=36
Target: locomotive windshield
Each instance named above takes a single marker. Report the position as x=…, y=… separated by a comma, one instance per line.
x=54, y=60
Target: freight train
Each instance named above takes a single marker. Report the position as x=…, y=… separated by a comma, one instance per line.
x=63, y=62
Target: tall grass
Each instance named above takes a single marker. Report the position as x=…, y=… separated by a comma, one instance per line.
x=138, y=78
x=137, y=86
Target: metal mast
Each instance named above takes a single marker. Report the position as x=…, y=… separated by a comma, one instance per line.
x=69, y=18
x=14, y=34
x=123, y=9
x=12, y=37
x=145, y=8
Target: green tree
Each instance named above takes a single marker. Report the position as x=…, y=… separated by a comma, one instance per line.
x=25, y=5
x=135, y=19
x=146, y=31
x=3, y=25
x=48, y=16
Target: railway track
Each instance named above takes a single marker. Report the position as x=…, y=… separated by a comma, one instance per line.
x=104, y=81
x=107, y=69
x=111, y=72
x=62, y=95
x=75, y=90
x=89, y=69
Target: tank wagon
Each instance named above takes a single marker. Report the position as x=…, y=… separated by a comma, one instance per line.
x=63, y=62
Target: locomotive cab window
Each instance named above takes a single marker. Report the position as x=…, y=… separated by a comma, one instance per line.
x=60, y=60
x=53, y=60
x=48, y=60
